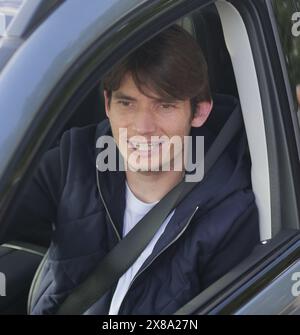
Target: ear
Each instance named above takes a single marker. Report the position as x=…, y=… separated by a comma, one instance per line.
x=298, y=93
x=106, y=103
x=202, y=113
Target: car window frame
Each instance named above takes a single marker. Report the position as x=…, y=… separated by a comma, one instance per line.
x=242, y=283
x=76, y=86
x=288, y=87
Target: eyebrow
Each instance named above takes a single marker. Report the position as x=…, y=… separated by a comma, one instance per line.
x=121, y=95
x=166, y=100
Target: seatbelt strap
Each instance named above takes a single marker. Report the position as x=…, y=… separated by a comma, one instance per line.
x=126, y=252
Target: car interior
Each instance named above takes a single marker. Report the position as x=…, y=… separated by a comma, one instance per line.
x=231, y=72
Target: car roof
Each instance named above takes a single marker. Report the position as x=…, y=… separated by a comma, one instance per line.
x=8, y=10
x=27, y=14
x=30, y=14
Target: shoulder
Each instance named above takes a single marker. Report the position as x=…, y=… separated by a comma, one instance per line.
x=79, y=143
x=234, y=239
x=74, y=155
x=81, y=137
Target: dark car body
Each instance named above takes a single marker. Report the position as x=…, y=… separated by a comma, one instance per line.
x=52, y=58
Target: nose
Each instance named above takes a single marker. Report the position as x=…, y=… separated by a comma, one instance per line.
x=144, y=122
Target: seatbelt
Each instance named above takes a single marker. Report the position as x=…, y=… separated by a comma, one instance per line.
x=125, y=253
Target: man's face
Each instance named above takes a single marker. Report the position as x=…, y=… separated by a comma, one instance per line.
x=148, y=121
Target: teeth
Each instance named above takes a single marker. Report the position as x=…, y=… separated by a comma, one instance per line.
x=145, y=146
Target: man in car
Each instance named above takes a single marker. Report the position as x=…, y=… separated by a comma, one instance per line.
x=159, y=92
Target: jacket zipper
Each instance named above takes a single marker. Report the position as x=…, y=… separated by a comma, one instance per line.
x=105, y=206
x=163, y=250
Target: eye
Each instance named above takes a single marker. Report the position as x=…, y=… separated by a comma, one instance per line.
x=167, y=106
x=124, y=103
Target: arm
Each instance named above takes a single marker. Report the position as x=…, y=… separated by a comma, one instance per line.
x=35, y=212
x=236, y=246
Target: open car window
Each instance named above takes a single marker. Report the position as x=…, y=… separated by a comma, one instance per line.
x=240, y=72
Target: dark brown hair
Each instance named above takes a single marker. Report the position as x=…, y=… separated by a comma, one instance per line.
x=171, y=64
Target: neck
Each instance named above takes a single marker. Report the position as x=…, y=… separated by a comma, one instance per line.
x=150, y=187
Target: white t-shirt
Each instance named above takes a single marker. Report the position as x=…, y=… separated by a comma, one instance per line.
x=135, y=210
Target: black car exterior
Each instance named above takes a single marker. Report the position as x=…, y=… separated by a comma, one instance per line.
x=53, y=57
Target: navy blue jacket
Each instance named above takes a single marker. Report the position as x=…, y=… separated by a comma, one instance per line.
x=212, y=230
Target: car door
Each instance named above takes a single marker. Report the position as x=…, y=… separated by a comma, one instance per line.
x=271, y=283
x=281, y=294
x=42, y=95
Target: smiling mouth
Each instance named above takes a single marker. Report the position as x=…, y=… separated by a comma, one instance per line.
x=145, y=147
